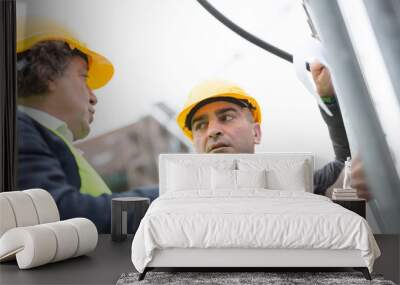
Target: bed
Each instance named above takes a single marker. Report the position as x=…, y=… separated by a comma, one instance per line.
x=246, y=211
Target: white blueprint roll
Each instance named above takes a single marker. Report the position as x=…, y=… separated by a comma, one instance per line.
x=7, y=218
x=33, y=246
x=23, y=208
x=45, y=205
x=67, y=239
x=87, y=235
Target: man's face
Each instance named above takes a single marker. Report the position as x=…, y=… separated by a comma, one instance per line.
x=74, y=99
x=223, y=127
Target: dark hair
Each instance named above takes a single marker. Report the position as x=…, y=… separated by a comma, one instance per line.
x=44, y=62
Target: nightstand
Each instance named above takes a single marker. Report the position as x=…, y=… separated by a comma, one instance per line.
x=120, y=207
x=357, y=206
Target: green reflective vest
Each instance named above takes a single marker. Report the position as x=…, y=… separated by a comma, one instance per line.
x=91, y=182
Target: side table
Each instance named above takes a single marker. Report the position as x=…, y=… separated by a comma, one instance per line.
x=355, y=205
x=121, y=208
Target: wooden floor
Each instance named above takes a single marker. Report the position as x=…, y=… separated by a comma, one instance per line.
x=106, y=264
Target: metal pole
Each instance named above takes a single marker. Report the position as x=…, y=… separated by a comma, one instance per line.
x=385, y=19
x=359, y=112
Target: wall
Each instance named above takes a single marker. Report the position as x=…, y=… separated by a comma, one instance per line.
x=160, y=49
x=388, y=263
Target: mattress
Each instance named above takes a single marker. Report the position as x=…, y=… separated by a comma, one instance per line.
x=251, y=219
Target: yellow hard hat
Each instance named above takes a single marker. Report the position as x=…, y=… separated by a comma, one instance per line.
x=100, y=69
x=214, y=90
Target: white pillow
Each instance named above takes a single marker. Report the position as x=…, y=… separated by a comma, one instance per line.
x=293, y=179
x=182, y=177
x=223, y=179
x=189, y=174
x=251, y=178
x=231, y=180
x=282, y=174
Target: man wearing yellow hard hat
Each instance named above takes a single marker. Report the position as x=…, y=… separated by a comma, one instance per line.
x=56, y=74
x=220, y=117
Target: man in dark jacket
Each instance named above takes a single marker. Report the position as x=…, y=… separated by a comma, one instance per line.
x=56, y=76
x=220, y=117
x=337, y=133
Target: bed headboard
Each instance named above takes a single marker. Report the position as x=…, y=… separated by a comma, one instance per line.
x=214, y=159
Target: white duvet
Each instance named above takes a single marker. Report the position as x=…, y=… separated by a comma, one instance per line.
x=250, y=219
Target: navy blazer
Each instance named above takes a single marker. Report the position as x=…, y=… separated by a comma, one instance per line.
x=45, y=161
